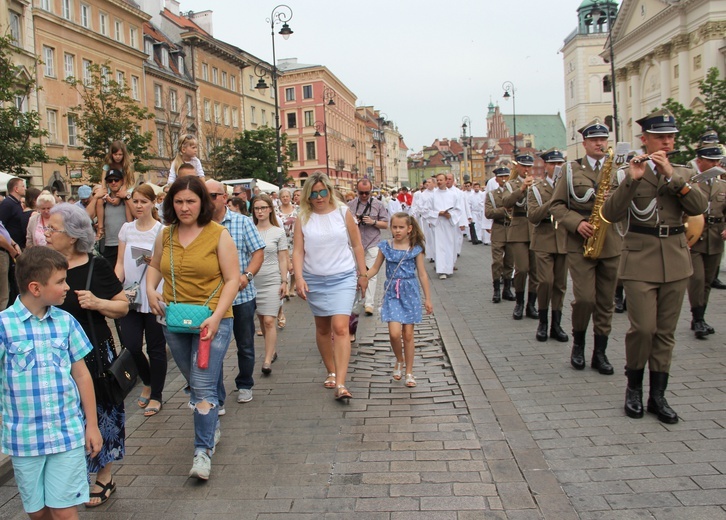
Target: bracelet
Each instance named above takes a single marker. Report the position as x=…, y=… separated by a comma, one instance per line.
x=363, y=274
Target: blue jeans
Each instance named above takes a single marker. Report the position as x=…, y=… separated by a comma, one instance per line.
x=204, y=383
x=244, y=336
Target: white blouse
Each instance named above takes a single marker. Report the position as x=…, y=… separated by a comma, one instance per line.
x=327, y=250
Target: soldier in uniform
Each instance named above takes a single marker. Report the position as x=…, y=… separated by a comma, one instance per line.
x=549, y=245
x=502, y=263
x=515, y=200
x=655, y=265
x=706, y=253
x=593, y=280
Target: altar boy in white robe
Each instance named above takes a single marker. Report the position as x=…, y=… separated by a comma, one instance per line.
x=444, y=215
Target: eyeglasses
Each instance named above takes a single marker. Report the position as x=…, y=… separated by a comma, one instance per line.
x=113, y=180
x=237, y=193
x=50, y=230
x=364, y=193
x=262, y=208
x=215, y=195
x=315, y=194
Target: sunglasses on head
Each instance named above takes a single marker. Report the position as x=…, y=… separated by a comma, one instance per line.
x=315, y=194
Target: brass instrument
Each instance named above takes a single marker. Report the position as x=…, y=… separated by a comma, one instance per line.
x=593, y=245
x=694, y=228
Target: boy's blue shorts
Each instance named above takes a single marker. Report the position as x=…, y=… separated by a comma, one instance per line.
x=58, y=481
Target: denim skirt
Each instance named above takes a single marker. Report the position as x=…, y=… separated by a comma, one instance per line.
x=332, y=294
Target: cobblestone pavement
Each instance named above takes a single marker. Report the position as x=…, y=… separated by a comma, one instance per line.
x=499, y=426
x=610, y=466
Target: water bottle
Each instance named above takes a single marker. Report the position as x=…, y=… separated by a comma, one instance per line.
x=203, y=351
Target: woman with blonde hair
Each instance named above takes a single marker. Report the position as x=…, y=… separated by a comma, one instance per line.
x=329, y=263
x=35, y=235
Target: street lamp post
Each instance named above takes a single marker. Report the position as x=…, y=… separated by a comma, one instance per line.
x=509, y=91
x=324, y=128
x=381, y=140
x=465, y=123
x=597, y=14
x=280, y=15
x=328, y=100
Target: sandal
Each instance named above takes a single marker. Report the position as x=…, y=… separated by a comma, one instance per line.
x=259, y=333
x=106, y=491
x=398, y=370
x=142, y=401
x=330, y=381
x=281, y=322
x=152, y=410
x=410, y=381
x=342, y=394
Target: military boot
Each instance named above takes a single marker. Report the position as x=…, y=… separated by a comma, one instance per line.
x=497, y=295
x=657, y=403
x=531, y=308
x=542, y=327
x=556, y=331
x=519, y=306
x=599, y=359
x=698, y=325
x=577, y=356
x=634, y=393
x=507, y=293
x=709, y=329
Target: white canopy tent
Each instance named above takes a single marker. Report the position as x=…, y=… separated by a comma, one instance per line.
x=4, y=178
x=250, y=184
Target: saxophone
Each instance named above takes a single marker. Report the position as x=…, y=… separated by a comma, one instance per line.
x=593, y=245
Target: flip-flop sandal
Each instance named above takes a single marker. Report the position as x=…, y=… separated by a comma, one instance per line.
x=152, y=410
x=143, y=402
x=107, y=490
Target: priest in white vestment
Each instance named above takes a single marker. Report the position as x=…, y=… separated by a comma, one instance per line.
x=445, y=214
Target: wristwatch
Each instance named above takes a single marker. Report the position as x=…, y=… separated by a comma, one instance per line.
x=249, y=276
x=128, y=196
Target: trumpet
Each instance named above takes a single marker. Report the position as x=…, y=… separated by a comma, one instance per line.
x=639, y=160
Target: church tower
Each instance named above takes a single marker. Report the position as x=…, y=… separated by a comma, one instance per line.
x=588, y=85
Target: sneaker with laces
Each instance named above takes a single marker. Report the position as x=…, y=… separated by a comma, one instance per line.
x=244, y=395
x=202, y=466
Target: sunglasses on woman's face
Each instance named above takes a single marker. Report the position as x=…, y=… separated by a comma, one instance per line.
x=315, y=194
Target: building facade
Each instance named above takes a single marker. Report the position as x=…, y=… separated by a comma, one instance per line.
x=588, y=82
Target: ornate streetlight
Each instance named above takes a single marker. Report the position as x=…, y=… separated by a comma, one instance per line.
x=280, y=15
x=323, y=127
x=382, y=117
x=509, y=91
x=465, y=123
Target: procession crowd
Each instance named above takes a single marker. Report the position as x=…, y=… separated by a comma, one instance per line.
x=190, y=267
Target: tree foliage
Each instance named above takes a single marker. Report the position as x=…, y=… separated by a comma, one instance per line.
x=18, y=127
x=693, y=123
x=108, y=113
x=250, y=154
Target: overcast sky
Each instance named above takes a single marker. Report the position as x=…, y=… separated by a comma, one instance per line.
x=426, y=64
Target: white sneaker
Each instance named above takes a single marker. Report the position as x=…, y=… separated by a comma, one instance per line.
x=222, y=411
x=217, y=437
x=442, y=277
x=244, y=395
x=202, y=466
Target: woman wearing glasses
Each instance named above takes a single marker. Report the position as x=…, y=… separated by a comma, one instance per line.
x=329, y=263
x=271, y=279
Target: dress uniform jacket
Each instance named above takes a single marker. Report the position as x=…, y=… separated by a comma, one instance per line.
x=494, y=209
x=645, y=257
x=547, y=236
x=569, y=212
x=711, y=242
x=516, y=200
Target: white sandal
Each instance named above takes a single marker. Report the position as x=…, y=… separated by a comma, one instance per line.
x=398, y=370
x=410, y=381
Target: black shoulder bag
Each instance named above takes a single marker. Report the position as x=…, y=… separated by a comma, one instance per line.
x=115, y=383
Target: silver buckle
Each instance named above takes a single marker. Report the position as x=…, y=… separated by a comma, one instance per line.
x=663, y=231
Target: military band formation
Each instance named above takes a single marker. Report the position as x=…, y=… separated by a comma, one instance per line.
x=635, y=236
